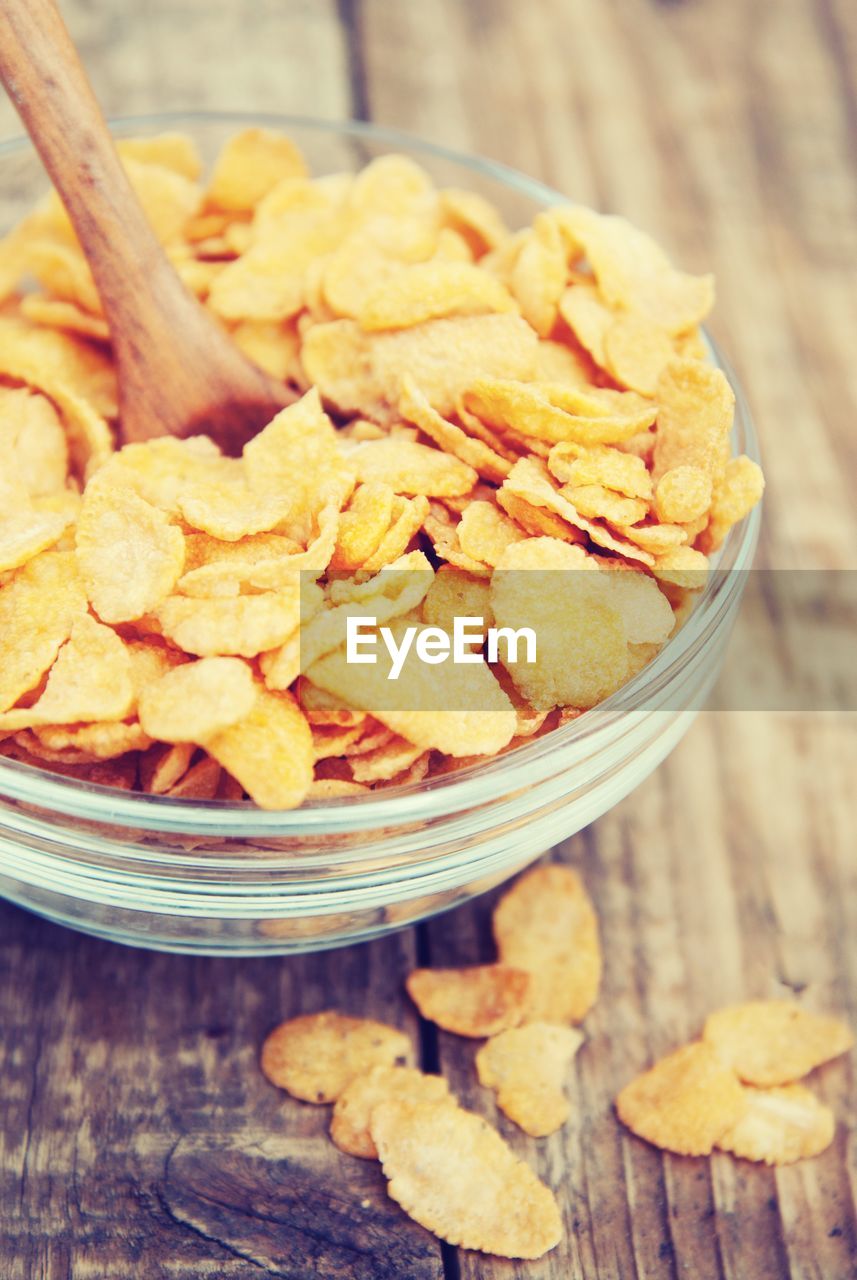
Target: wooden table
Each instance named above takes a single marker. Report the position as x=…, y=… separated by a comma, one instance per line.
x=140, y=1139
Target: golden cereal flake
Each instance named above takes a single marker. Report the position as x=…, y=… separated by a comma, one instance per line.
x=781, y=1125
x=350, y=1123
x=454, y=1174
x=772, y=1042
x=478, y=1001
x=685, y=1103
x=527, y=1067
x=547, y=925
x=316, y=1056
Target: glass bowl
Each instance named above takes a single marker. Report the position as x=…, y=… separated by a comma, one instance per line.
x=229, y=879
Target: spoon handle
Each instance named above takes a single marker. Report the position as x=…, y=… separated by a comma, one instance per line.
x=179, y=372
x=47, y=84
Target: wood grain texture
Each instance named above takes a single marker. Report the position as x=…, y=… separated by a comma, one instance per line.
x=139, y=1136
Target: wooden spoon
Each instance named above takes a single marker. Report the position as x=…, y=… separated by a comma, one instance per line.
x=179, y=373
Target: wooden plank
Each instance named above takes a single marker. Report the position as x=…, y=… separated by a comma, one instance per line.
x=140, y=1137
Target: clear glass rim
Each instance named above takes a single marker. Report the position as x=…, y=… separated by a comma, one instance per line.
x=440, y=796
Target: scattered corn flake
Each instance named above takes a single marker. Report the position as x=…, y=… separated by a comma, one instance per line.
x=527, y=1067
x=90, y=680
x=685, y=1103
x=315, y=1057
x=478, y=1001
x=547, y=925
x=269, y=751
x=129, y=554
x=197, y=699
x=636, y=351
x=250, y=165
x=773, y=1042
x=781, y=1125
x=682, y=495
x=454, y=1174
x=352, y=1112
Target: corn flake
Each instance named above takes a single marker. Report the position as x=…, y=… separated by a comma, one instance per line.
x=249, y=166
x=636, y=351
x=780, y=1126
x=696, y=406
x=527, y=1066
x=269, y=751
x=129, y=554
x=410, y=468
x=350, y=1125
x=773, y=1042
x=429, y=291
x=633, y=272
x=197, y=699
x=546, y=924
x=682, y=495
x=480, y=1001
x=685, y=1103
x=456, y=1176
x=90, y=680
x=316, y=1056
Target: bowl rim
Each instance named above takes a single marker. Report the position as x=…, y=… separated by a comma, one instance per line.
x=447, y=794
